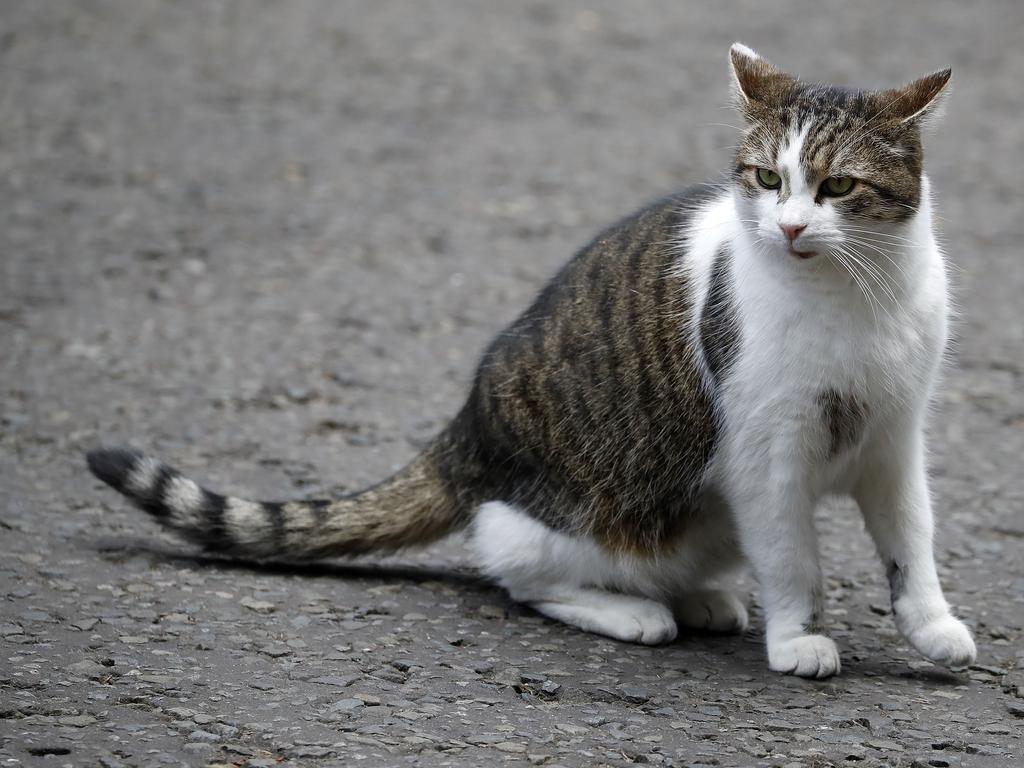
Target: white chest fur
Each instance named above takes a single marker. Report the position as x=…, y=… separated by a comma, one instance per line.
x=822, y=360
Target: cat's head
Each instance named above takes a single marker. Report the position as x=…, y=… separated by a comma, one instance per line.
x=820, y=168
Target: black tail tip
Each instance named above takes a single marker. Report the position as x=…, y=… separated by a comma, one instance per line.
x=112, y=465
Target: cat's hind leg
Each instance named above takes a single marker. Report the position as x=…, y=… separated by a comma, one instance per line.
x=713, y=610
x=708, y=558
x=623, y=617
x=567, y=578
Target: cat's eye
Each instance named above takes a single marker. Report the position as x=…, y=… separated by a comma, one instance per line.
x=837, y=186
x=768, y=179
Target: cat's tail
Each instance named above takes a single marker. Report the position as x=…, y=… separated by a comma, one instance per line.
x=417, y=505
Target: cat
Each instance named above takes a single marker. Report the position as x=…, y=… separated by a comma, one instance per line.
x=677, y=400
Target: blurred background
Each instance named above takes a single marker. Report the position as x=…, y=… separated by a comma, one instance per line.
x=269, y=240
x=226, y=205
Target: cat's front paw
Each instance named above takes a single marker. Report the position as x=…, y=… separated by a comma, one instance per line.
x=804, y=656
x=945, y=640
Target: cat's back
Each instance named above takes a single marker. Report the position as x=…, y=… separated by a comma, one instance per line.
x=597, y=382
x=624, y=280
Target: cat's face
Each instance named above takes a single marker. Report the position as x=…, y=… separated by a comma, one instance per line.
x=821, y=170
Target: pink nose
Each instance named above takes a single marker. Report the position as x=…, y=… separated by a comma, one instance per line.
x=792, y=230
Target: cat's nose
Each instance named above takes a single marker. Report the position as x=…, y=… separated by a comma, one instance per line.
x=792, y=230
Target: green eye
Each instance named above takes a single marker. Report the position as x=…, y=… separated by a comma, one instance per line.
x=837, y=186
x=768, y=179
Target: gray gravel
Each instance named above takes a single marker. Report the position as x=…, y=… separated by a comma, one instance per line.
x=267, y=241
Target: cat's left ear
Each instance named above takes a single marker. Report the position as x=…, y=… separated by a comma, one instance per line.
x=921, y=101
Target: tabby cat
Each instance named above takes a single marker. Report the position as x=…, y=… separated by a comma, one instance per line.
x=681, y=395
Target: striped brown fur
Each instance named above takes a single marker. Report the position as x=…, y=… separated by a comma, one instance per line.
x=416, y=505
x=590, y=408
x=719, y=322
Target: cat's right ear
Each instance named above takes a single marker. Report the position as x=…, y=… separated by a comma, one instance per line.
x=755, y=82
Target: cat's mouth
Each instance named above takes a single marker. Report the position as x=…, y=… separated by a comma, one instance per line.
x=802, y=254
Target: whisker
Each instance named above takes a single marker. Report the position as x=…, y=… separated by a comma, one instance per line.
x=872, y=272
x=727, y=125
x=875, y=273
x=861, y=285
x=877, y=233
x=903, y=272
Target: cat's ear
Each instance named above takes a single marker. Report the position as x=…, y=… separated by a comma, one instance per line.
x=756, y=82
x=921, y=101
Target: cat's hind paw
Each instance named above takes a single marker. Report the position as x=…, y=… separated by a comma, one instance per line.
x=805, y=656
x=713, y=610
x=945, y=640
x=623, y=617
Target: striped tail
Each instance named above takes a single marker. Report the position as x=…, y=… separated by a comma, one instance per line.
x=415, y=506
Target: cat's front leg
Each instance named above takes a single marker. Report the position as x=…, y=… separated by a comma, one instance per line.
x=775, y=519
x=892, y=492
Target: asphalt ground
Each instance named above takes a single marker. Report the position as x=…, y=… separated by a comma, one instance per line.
x=267, y=242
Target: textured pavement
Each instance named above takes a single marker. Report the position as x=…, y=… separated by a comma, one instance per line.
x=267, y=241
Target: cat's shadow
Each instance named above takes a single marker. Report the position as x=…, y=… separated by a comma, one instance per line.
x=892, y=667
x=115, y=549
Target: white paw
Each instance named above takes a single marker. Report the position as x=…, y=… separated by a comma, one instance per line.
x=713, y=610
x=945, y=640
x=623, y=617
x=804, y=656
x=647, y=622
